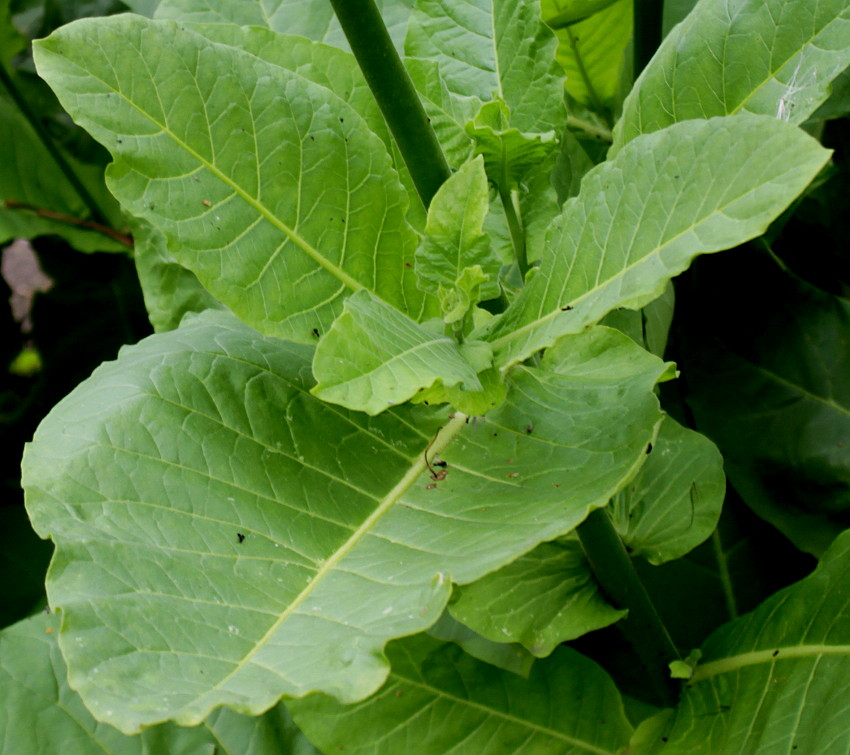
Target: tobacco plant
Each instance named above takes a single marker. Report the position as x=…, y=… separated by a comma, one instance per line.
x=397, y=444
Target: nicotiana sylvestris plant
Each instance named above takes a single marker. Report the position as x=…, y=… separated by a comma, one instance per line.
x=381, y=454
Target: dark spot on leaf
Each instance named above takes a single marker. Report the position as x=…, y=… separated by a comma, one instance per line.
x=775, y=653
x=566, y=309
x=529, y=429
x=315, y=332
x=556, y=484
x=342, y=120
x=664, y=739
x=407, y=264
x=312, y=138
x=509, y=461
x=240, y=537
x=648, y=447
x=120, y=141
x=440, y=463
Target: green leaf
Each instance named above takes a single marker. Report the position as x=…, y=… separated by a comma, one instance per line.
x=225, y=538
x=775, y=680
x=592, y=53
x=374, y=357
x=209, y=171
x=772, y=57
x=568, y=12
x=445, y=701
x=42, y=714
x=504, y=655
x=640, y=219
x=763, y=385
x=454, y=237
x=31, y=178
x=313, y=19
x=674, y=502
x=544, y=598
x=493, y=48
x=170, y=290
x=508, y=153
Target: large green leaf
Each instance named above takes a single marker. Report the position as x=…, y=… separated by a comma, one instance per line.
x=674, y=502
x=223, y=537
x=544, y=598
x=489, y=48
x=763, y=383
x=592, y=52
x=313, y=19
x=774, y=681
x=696, y=187
x=773, y=57
x=251, y=171
x=444, y=701
x=374, y=357
x=40, y=713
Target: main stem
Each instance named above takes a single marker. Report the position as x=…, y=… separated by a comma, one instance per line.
x=97, y=215
x=643, y=627
x=396, y=96
x=648, y=19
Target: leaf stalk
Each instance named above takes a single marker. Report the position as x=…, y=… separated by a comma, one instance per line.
x=618, y=579
x=396, y=96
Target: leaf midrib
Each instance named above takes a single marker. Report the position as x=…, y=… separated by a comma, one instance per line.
x=552, y=314
x=445, y=435
x=756, y=657
x=439, y=693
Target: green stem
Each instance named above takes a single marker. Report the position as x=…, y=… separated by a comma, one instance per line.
x=591, y=129
x=617, y=577
x=725, y=577
x=515, y=228
x=394, y=91
x=89, y=201
x=648, y=17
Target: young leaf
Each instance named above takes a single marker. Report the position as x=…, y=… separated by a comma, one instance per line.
x=674, y=502
x=696, y=187
x=489, y=48
x=374, y=357
x=147, y=474
x=454, y=238
x=445, y=701
x=775, y=680
x=508, y=153
x=544, y=598
x=267, y=186
x=709, y=66
x=42, y=714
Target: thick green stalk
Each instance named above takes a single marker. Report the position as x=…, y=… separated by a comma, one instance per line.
x=94, y=209
x=516, y=230
x=387, y=78
x=643, y=626
x=648, y=17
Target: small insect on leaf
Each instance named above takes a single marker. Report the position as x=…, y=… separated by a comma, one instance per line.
x=206, y=203
x=240, y=537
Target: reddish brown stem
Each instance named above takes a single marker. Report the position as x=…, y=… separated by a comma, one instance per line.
x=122, y=238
